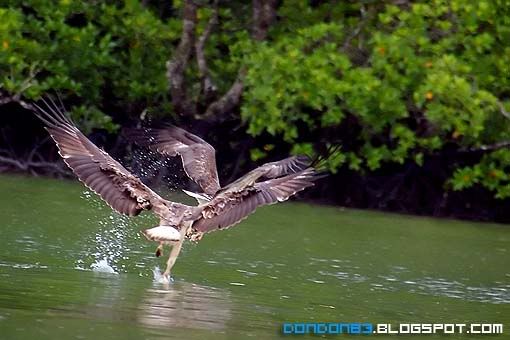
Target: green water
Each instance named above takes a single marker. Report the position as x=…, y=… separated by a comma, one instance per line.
x=288, y=262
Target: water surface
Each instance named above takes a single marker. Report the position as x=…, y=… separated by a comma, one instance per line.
x=70, y=268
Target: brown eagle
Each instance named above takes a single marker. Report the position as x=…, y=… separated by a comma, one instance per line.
x=218, y=208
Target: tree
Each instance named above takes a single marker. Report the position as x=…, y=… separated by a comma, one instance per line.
x=393, y=83
x=411, y=79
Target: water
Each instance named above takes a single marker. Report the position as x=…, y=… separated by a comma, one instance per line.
x=70, y=268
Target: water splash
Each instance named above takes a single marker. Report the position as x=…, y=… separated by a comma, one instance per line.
x=108, y=244
x=102, y=266
x=151, y=167
x=111, y=238
x=160, y=278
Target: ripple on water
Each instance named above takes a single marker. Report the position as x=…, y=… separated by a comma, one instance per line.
x=186, y=305
x=316, y=281
x=348, y=272
x=499, y=293
x=353, y=277
x=247, y=273
x=28, y=244
x=442, y=287
x=23, y=265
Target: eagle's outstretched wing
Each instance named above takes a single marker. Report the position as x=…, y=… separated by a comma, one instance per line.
x=100, y=172
x=198, y=157
x=229, y=208
x=276, y=169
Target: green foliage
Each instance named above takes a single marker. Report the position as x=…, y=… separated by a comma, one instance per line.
x=297, y=77
x=491, y=172
x=412, y=78
x=81, y=49
x=390, y=83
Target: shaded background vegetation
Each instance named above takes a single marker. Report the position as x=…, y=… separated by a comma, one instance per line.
x=415, y=93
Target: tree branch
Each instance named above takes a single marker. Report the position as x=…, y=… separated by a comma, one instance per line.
x=208, y=88
x=502, y=110
x=29, y=165
x=6, y=99
x=229, y=100
x=264, y=14
x=177, y=65
x=357, y=29
x=488, y=147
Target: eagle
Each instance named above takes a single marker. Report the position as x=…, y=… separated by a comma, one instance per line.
x=218, y=207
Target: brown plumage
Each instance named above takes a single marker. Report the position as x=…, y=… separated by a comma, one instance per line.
x=198, y=157
x=122, y=191
x=290, y=165
x=231, y=207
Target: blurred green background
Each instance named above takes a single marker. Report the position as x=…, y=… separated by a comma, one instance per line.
x=415, y=94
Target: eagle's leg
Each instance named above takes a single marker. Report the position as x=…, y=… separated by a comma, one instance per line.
x=174, y=253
